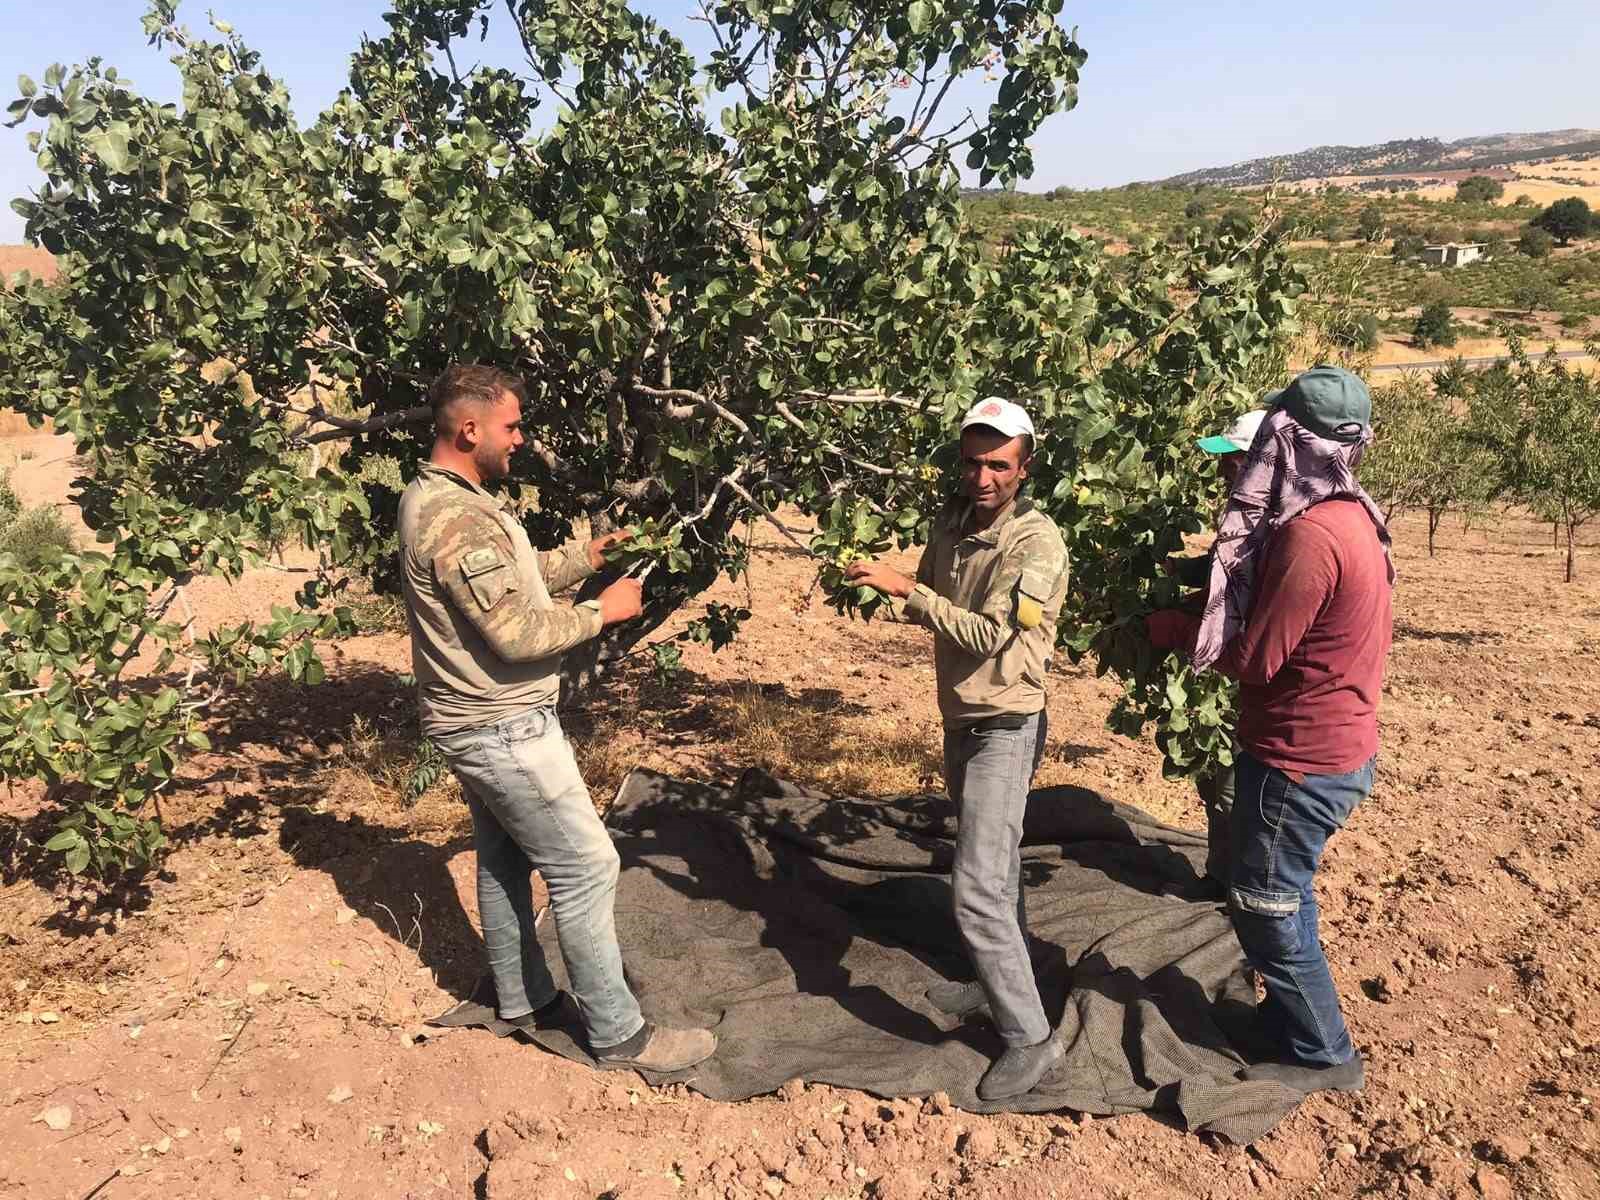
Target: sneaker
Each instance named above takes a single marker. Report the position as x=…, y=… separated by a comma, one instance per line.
x=958, y=999
x=1349, y=1076
x=1019, y=1070
x=659, y=1049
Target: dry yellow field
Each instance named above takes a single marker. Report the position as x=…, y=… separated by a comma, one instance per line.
x=1543, y=183
x=1390, y=351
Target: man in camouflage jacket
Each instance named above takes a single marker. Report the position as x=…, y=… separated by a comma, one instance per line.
x=990, y=586
x=487, y=642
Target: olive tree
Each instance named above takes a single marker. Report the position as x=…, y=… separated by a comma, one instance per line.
x=732, y=285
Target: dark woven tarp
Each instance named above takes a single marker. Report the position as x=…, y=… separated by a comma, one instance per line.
x=806, y=928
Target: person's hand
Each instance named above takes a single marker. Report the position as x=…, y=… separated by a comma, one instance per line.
x=621, y=601
x=1171, y=629
x=599, y=546
x=874, y=574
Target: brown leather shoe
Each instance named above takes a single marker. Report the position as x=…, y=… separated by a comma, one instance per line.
x=664, y=1051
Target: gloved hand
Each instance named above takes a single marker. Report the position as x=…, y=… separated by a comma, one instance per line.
x=1171, y=629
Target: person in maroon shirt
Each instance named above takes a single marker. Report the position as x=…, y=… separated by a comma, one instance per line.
x=1298, y=610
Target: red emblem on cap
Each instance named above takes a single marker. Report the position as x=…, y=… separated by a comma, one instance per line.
x=990, y=410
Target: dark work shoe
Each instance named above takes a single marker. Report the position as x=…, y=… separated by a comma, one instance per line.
x=1348, y=1076
x=660, y=1049
x=560, y=1012
x=958, y=999
x=1019, y=1069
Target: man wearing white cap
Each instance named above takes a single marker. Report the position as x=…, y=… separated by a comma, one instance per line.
x=1231, y=447
x=1233, y=443
x=990, y=586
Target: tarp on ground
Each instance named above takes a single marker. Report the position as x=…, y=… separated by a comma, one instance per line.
x=806, y=928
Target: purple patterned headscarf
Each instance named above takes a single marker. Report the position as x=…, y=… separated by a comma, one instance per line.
x=1289, y=469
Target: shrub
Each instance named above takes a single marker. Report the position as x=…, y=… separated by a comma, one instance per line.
x=1360, y=332
x=1435, y=326
x=1370, y=224
x=31, y=536
x=1407, y=246
x=1535, y=242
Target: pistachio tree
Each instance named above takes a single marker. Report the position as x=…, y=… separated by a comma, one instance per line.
x=733, y=284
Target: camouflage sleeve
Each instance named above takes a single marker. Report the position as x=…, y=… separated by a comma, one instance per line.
x=1021, y=587
x=565, y=567
x=476, y=564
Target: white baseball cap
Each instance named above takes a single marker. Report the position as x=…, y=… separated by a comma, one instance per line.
x=999, y=413
x=1236, y=437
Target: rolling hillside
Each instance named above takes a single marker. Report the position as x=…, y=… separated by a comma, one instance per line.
x=1405, y=156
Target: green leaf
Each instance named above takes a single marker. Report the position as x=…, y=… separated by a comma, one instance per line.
x=918, y=14
x=26, y=86
x=64, y=840
x=110, y=146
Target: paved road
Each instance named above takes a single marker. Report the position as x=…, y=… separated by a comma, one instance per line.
x=1434, y=364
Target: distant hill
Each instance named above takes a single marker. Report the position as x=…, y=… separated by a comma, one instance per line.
x=1407, y=156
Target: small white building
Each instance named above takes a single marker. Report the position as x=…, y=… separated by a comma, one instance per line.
x=1453, y=254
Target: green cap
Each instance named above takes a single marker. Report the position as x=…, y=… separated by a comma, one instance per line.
x=1327, y=400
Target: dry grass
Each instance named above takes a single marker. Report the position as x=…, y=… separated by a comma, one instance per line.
x=851, y=754
x=368, y=772
x=1392, y=351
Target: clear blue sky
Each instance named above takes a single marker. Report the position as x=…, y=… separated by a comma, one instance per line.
x=1170, y=85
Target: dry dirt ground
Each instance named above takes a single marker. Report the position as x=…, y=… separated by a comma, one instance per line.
x=246, y=1025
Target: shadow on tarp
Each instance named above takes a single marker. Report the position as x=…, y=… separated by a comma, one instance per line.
x=807, y=929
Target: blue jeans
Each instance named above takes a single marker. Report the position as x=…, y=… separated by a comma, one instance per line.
x=531, y=809
x=987, y=772
x=1280, y=827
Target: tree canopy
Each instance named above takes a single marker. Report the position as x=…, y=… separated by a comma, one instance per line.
x=1479, y=189
x=731, y=284
x=1567, y=219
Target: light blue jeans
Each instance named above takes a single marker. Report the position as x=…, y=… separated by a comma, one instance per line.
x=531, y=809
x=987, y=772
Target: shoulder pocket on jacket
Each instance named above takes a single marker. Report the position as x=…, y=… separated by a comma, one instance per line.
x=488, y=576
x=1033, y=592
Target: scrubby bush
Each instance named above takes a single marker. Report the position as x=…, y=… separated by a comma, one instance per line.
x=30, y=537
x=1435, y=326
x=1535, y=242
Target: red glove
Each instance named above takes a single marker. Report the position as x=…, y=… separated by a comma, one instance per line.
x=1171, y=629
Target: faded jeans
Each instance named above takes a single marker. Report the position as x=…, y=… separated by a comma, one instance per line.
x=531, y=809
x=987, y=772
x=1280, y=827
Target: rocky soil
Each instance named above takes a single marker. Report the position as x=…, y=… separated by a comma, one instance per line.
x=249, y=1024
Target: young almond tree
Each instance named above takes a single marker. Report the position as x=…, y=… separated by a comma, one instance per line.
x=721, y=306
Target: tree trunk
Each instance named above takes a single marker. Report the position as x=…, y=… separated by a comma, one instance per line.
x=1434, y=517
x=1571, y=545
x=1555, y=534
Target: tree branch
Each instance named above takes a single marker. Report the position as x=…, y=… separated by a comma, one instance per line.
x=347, y=427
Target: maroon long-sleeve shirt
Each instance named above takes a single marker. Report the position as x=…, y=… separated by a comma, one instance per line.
x=1310, y=658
